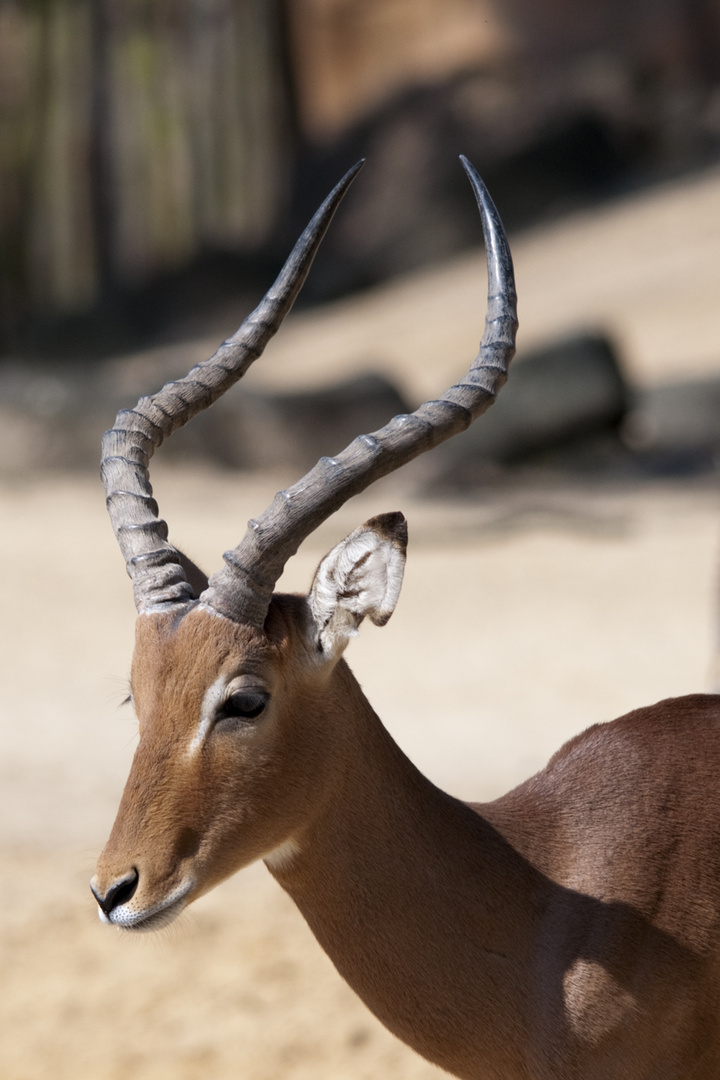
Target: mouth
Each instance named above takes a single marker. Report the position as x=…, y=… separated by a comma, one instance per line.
x=127, y=917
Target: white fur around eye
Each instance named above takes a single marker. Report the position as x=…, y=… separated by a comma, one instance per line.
x=212, y=699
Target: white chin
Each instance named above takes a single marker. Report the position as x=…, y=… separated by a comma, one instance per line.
x=144, y=924
x=153, y=918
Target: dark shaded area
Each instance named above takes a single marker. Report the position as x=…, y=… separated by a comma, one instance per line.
x=51, y=418
x=543, y=146
x=411, y=205
x=568, y=410
x=139, y=144
x=216, y=290
x=398, y=217
x=562, y=395
x=390, y=223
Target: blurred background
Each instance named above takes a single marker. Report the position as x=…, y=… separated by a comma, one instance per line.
x=161, y=146
x=158, y=159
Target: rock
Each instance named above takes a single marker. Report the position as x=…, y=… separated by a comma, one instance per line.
x=569, y=391
x=54, y=419
x=265, y=430
x=674, y=427
x=50, y=419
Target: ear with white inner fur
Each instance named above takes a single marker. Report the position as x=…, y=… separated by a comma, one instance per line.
x=361, y=576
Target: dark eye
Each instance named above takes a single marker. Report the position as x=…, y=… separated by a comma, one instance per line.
x=244, y=704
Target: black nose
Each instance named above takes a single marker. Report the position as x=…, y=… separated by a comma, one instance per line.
x=119, y=892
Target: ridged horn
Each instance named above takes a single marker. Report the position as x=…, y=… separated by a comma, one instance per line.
x=159, y=581
x=242, y=589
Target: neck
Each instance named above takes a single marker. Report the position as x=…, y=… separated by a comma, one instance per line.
x=420, y=903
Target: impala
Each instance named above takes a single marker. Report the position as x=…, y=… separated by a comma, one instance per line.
x=566, y=930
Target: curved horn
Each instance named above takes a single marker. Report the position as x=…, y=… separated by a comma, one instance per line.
x=159, y=580
x=241, y=590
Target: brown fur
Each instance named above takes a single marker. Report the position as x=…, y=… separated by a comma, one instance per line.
x=567, y=930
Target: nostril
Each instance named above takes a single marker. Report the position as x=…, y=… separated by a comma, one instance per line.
x=119, y=892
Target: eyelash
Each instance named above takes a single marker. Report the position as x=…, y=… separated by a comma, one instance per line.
x=244, y=705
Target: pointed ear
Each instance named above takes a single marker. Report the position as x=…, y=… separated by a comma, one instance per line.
x=361, y=576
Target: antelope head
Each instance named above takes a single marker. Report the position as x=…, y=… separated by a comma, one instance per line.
x=243, y=701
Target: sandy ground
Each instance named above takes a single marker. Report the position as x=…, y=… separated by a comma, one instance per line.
x=526, y=615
